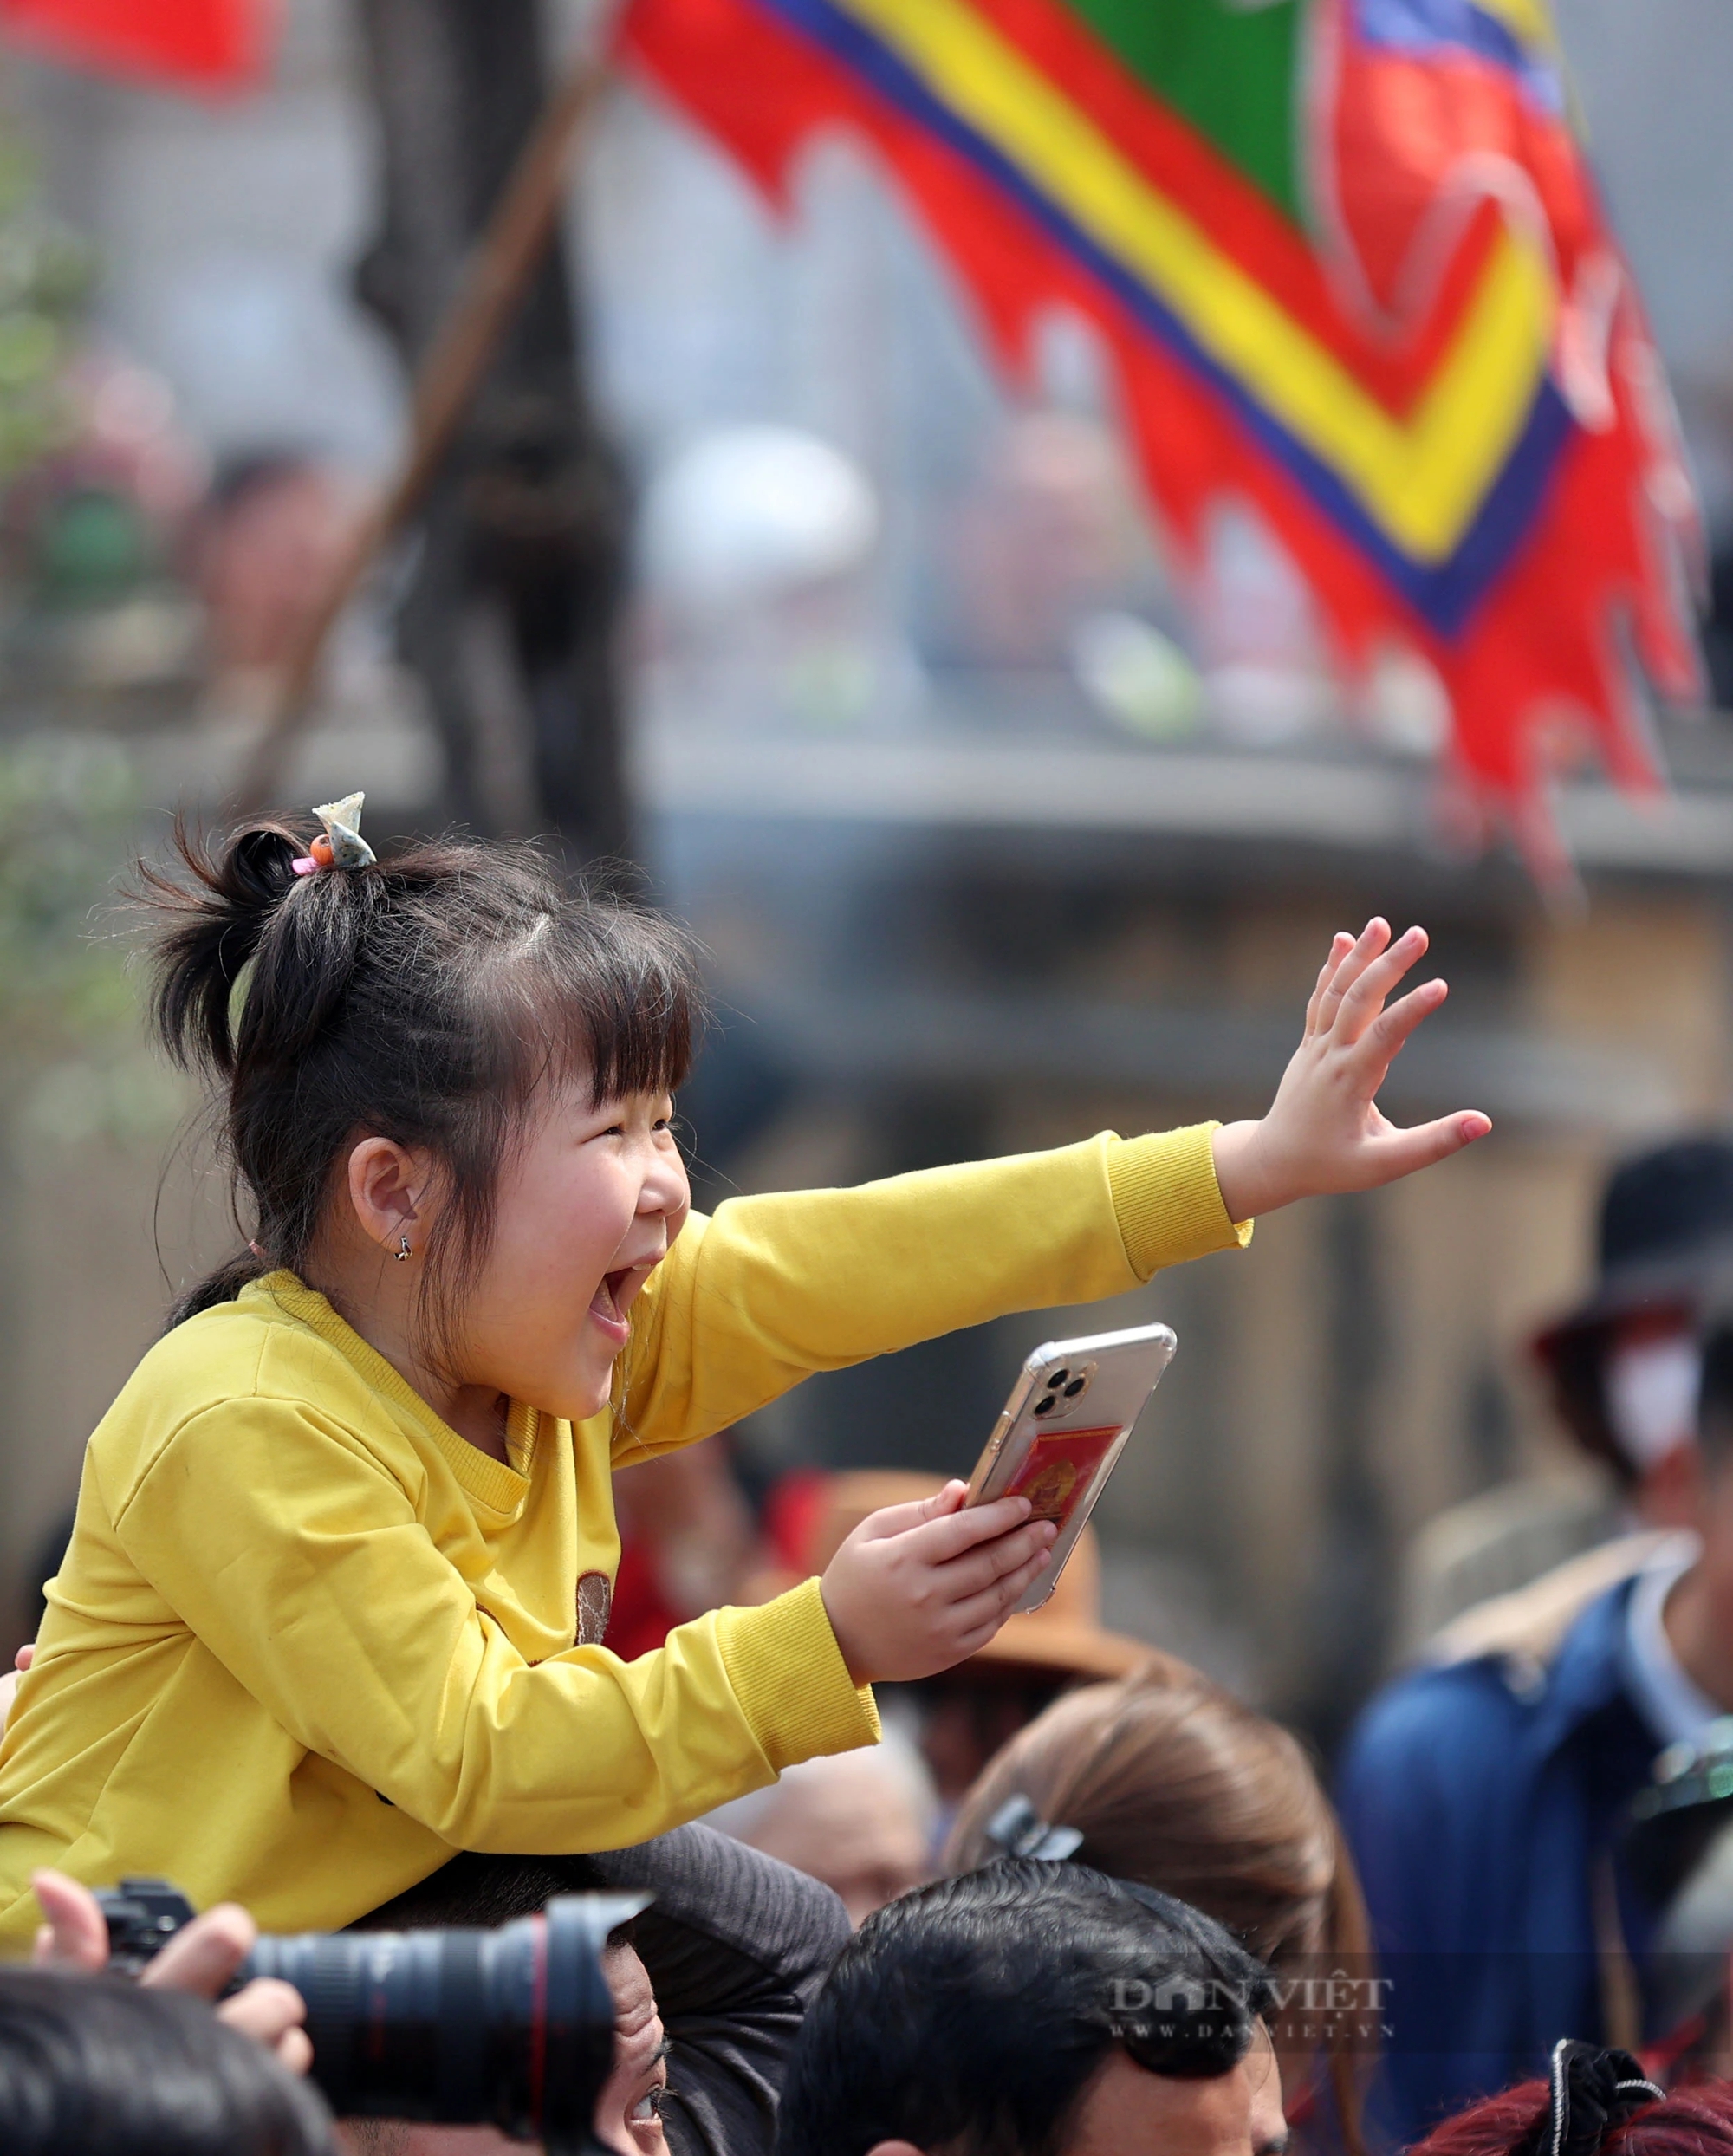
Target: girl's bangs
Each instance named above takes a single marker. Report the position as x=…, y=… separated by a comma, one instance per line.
x=612, y=1002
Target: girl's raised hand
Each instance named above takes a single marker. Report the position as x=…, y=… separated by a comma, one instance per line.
x=916, y=1587
x=1324, y=1132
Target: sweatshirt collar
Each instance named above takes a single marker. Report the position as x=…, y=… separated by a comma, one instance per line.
x=501, y=1487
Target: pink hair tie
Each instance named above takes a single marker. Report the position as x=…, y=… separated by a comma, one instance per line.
x=305, y=866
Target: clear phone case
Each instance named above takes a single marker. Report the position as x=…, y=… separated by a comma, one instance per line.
x=1070, y=1413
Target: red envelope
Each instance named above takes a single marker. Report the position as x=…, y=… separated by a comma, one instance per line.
x=1056, y=1470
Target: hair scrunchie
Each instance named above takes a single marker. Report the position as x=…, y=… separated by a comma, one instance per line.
x=1592, y=2090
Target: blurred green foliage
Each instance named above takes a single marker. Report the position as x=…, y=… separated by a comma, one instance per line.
x=74, y=1064
x=45, y=276
x=67, y=806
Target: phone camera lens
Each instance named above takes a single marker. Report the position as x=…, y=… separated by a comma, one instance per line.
x=1045, y=1405
x=1057, y=1379
x=1073, y=1389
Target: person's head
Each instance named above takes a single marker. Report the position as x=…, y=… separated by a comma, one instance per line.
x=446, y=1094
x=1521, y=2122
x=1036, y=2010
x=1623, y=1365
x=93, y=2066
x=1179, y=1786
x=1175, y=1784
x=273, y=532
x=861, y=1822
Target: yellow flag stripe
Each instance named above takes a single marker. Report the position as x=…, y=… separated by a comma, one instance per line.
x=1527, y=21
x=1422, y=479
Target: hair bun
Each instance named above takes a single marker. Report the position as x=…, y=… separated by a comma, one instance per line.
x=260, y=866
x=214, y=924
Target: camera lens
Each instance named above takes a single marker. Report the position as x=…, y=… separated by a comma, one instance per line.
x=512, y=2028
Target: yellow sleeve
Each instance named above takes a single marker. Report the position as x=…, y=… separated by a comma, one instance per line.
x=299, y=1563
x=748, y=1303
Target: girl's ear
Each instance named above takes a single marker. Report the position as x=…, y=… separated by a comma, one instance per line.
x=389, y=1193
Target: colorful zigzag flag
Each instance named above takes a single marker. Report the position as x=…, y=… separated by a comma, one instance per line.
x=1350, y=263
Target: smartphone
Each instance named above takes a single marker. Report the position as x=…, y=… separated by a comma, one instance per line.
x=1071, y=1410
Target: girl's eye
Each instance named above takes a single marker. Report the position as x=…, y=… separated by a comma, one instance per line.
x=649, y=2105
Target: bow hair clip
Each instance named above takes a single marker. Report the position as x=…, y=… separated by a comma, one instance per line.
x=342, y=845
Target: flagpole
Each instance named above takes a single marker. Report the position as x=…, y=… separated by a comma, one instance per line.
x=487, y=297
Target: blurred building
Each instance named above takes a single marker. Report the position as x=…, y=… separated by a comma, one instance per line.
x=993, y=840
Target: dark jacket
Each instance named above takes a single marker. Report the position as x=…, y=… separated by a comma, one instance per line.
x=736, y=1946
x=1480, y=1800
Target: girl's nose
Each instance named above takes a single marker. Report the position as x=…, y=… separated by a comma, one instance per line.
x=665, y=1189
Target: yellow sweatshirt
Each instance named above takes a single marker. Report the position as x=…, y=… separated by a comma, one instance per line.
x=308, y=1641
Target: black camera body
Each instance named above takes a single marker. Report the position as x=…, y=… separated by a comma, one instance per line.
x=512, y=2028
x=143, y=1915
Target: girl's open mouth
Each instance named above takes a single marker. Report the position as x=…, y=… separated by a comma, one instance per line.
x=608, y=1304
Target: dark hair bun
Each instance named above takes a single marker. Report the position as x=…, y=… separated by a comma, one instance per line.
x=211, y=933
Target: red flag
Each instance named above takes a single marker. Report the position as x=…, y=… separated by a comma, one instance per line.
x=202, y=44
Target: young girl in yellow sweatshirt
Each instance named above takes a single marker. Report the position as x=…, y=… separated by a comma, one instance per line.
x=335, y=1602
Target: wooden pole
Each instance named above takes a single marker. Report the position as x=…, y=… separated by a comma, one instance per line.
x=492, y=286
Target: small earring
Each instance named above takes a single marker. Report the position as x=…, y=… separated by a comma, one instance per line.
x=402, y=1251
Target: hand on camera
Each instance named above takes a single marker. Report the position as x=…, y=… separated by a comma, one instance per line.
x=1323, y=1133
x=200, y=1959
x=916, y=1587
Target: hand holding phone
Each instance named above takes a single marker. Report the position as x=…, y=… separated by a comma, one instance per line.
x=918, y=1588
